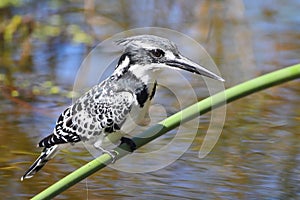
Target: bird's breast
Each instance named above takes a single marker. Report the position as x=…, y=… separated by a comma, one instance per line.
x=138, y=115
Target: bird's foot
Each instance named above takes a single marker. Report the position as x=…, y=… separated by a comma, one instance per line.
x=113, y=154
x=129, y=142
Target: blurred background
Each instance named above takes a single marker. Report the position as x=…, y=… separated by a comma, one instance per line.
x=43, y=43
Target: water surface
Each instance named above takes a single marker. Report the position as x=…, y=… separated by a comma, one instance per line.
x=257, y=155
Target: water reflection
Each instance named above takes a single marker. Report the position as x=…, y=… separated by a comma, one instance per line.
x=43, y=43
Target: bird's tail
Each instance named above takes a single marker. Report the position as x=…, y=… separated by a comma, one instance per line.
x=46, y=155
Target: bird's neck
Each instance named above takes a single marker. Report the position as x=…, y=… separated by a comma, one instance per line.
x=131, y=72
x=135, y=78
x=142, y=87
x=132, y=81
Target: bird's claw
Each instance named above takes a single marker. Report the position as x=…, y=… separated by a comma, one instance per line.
x=113, y=154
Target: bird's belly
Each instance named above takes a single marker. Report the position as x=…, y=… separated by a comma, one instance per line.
x=137, y=117
x=105, y=140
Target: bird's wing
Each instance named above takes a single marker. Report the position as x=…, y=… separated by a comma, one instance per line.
x=104, y=113
x=91, y=115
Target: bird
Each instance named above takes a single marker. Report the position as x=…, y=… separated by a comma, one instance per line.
x=103, y=110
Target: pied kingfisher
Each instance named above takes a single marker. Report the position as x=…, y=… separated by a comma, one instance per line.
x=105, y=108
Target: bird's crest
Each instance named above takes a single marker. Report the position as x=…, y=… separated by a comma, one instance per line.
x=146, y=42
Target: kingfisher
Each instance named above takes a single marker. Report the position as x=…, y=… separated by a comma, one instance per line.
x=103, y=111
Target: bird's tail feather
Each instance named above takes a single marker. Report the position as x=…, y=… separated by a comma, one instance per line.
x=45, y=156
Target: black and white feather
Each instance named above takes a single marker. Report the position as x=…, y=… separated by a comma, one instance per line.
x=121, y=99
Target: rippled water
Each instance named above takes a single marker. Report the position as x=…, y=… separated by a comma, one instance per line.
x=257, y=155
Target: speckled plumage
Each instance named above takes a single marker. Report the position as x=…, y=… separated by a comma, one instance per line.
x=102, y=109
x=105, y=108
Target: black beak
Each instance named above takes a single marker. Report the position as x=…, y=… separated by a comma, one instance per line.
x=184, y=63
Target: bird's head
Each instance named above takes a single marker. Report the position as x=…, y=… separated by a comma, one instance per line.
x=145, y=54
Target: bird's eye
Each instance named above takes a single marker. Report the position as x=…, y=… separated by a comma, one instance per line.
x=158, y=53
